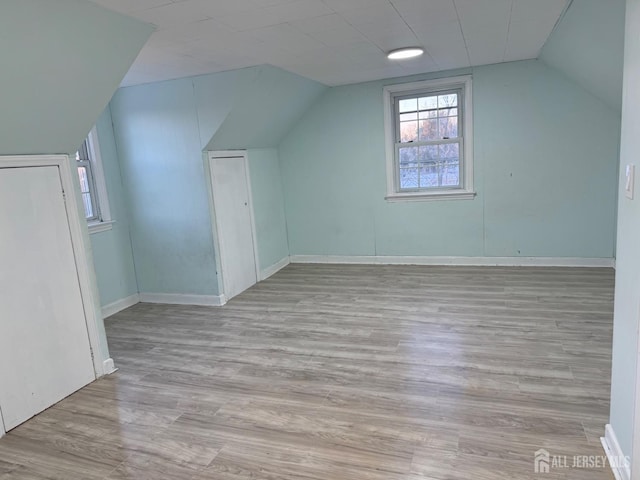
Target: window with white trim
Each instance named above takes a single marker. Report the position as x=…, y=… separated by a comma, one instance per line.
x=429, y=139
x=92, y=184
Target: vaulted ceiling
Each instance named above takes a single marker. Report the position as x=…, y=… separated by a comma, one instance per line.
x=61, y=62
x=335, y=41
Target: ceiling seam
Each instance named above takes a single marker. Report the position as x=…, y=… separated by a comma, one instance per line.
x=426, y=50
x=506, y=43
x=464, y=39
x=561, y=17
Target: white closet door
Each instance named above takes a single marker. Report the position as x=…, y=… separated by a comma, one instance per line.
x=234, y=224
x=44, y=344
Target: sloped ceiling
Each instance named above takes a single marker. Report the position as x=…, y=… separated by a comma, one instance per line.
x=267, y=103
x=61, y=62
x=334, y=42
x=588, y=47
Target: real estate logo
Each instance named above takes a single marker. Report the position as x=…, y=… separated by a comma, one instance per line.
x=541, y=461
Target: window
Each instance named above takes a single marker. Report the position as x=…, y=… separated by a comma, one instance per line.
x=92, y=184
x=428, y=128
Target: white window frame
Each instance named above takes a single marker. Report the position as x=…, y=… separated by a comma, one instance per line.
x=104, y=222
x=466, y=190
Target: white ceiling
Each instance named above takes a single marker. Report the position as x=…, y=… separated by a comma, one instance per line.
x=334, y=41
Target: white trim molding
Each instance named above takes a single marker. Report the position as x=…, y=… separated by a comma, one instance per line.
x=97, y=227
x=119, y=305
x=2, y=428
x=466, y=190
x=275, y=268
x=460, y=261
x=109, y=367
x=431, y=197
x=183, y=299
x=620, y=464
x=99, y=178
x=217, y=240
x=79, y=242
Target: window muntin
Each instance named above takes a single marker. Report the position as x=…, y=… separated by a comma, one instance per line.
x=93, y=187
x=87, y=183
x=429, y=140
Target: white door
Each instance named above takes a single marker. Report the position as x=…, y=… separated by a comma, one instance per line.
x=44, y=344
x=234, y=223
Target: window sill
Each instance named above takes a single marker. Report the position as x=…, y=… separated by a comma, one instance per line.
x=429, y=197
x=98, y=227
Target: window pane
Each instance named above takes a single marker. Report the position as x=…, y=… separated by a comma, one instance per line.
x=448, y=127
x=407, y=117
x=83, y=176
x=450, y=100
x=450, y=173
x=429, y=129
x=408, y=105
x=428, y=114
x=428, y=103
x=450, y=156
x=88, y=207
x=428, y=153
x=429, y=139
x=429, y=175
x=448, y=112
x=408, y=132
x=84, y=179
x=408, y=178
x=408, y=157
x=449, y=151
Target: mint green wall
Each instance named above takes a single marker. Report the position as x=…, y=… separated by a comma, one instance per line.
x=587, y=46
x=545, y=160
x=549, y=158
x=112, y=253
x=268, y=206
x=215, y=96
x=61, y=62
x=268, y=102
x=251, y=107
x=161, y=130
x=156, y=130
x=627, y=303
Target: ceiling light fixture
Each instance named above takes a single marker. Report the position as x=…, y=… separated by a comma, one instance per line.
x=407, y=52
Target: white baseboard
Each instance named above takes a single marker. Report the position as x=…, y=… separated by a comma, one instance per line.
x=183, y=299
x=275, y=268
x=119, y=305
x=461, y=261
x=620, y=464
x=108, y=367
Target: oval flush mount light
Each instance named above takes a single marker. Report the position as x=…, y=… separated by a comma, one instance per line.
x=407, y=52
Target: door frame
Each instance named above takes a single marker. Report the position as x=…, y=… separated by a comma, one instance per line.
x=241, y=155
x=79, y=242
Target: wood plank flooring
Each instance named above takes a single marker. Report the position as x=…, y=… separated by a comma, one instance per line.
x=344, y=372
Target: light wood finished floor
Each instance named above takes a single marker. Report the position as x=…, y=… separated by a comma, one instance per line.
x=344, y=372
